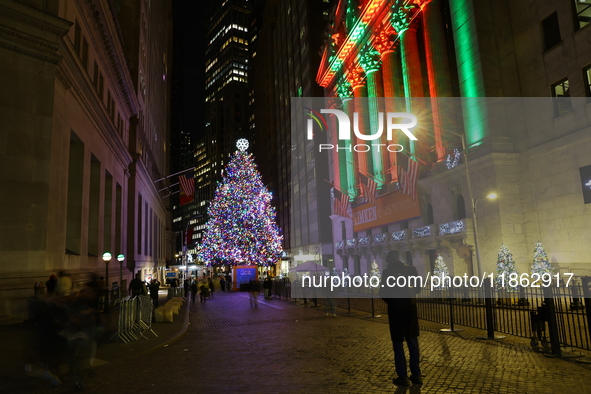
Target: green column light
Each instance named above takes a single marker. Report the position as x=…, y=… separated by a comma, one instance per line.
x=469, y=70
x=370, y=62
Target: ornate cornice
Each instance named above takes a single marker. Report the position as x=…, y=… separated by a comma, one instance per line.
x=344, y=89
x=31, y=31
x=110, y=49
x=386, y=41
x=369, y=59
x=401, y=17
x=356, y=77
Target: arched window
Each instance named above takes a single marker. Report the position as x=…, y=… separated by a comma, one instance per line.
x=429, y=215
x=460, y=208
x=343, y=231
x=357, y=265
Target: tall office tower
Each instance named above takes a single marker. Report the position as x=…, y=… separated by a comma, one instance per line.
x=226, y=91
x=186, y=123
x=295, y=30
x=89, y=116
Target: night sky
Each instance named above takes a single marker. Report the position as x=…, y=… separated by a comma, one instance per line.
x=190, y=31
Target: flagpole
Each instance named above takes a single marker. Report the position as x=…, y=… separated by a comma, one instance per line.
x=333, y=185
x=367, y=175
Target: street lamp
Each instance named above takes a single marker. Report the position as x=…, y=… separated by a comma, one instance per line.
x=120, y=259
x=107, y=259
x=472, y=201
x=490, y=196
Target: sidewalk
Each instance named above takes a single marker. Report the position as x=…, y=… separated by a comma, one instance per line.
x=15, y=342
x=285, y=347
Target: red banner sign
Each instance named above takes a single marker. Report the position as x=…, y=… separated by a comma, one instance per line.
x=390, y=208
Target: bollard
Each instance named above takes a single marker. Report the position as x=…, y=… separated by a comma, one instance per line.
x=551, y=316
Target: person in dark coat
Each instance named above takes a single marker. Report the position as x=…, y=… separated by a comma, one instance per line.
x=193, y=291
x=154, y=289
x=402, y=318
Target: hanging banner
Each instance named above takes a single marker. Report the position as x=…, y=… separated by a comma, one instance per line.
x=390, y=208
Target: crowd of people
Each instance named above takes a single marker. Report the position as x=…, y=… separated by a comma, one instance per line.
x=66, y=328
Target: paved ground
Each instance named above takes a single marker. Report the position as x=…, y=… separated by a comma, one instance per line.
x=284, y=347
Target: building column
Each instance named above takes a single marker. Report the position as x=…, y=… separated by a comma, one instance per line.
x=385, y=43
x=401, y=20
x=345, y=156
x=363, y=161
x=371, y=63
x=437, y=68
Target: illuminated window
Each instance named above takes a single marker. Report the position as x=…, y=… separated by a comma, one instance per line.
x=587, y=79
x=561, y=94
x=582, y=13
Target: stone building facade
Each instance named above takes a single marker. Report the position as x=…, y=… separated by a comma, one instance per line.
x=537, y=166
x=85, y=99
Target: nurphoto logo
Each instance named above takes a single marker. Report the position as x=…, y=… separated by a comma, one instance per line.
x=391, y=119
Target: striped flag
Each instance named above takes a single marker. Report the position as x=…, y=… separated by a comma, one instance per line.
x=369, y=188
x=408, y=179
x=341, y=202
x=187, y=189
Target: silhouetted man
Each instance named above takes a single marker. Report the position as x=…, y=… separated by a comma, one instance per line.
x=402, y=317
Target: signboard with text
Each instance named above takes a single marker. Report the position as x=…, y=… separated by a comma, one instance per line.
x=390, y=208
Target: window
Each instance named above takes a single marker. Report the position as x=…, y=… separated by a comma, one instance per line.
x=582, y=13
x=587, y=79
x=84, y=56
x=551, y=31
x=460, y=208
x=561, y=94
x=430, y=219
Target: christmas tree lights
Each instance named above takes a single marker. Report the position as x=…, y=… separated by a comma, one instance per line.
x=241, y=229
x=440, y=270
x=506, y=267
x=540, y=264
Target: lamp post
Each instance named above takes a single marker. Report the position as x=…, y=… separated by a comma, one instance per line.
x=107, y=259
x=120, y=259
x=472, y=201
x=490, y=196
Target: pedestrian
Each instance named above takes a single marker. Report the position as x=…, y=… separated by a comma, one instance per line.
x=253, y=289
x=51, y=285
x=203, y=292
x=136, y=286
x=211, y=289
x=154, y=289
x=193, y=291
x=402, y=318
x=64, y=284
x=267, y=285
x=186, y=287
x=222, y=283
x=229, y=282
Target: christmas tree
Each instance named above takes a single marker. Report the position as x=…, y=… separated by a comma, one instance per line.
x=506, y=266
x=241, y=229
x=375, y=271
x=440, y=270
x=540, y=264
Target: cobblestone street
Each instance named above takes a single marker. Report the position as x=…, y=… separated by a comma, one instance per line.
x=285, y=347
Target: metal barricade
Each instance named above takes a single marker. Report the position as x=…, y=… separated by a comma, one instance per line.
x=143, y=321
x=135, y=318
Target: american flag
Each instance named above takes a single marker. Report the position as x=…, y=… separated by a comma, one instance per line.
x=187, y=185
x=341, y=202
x=369, y=187
x=408, y=179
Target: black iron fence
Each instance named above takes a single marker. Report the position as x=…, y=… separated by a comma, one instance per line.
x=553, y=316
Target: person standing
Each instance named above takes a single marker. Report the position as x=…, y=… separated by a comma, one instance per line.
x=210, y=284
x=154, y=289
x=253, y=289
x=402, y=318
x=136, y=286
x=229, y=282
x=267, y=285
x=193, y=291
x=222, y=283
